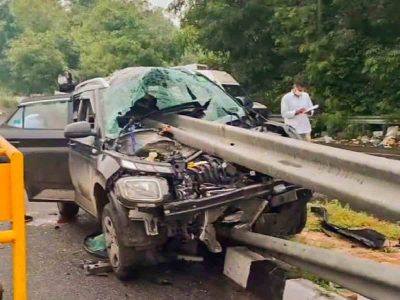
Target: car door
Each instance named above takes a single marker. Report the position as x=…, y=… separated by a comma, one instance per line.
x=37, y=130
x=83, y=153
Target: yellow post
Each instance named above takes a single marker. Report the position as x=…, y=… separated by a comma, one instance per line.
x=18, y=208
x=12, y=204
x=5, y=192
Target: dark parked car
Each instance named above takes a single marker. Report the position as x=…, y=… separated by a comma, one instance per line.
x=152, y=194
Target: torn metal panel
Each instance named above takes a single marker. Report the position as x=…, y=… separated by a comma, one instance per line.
x=107, y=165
x=367, y=237
x=99, y=268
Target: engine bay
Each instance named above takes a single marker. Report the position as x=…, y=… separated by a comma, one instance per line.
x=204, y=190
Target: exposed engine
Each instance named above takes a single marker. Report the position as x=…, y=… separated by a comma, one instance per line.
x=206, y=176
x=204, y=189
x=196, y=174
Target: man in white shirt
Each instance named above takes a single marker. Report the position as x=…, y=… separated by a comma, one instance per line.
x=293, y=109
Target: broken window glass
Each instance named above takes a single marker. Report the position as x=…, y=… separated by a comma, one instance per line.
x=170, y=87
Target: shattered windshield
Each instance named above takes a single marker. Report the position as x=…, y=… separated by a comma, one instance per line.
x=134, y=88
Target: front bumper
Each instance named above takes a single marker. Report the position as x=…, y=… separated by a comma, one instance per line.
x=195, y=205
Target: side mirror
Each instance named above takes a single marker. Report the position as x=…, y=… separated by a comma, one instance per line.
x=78, y=130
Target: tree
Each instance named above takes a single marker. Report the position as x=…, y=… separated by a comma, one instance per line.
x=243, y=31
x=8, y=31
x=348, y=50
x=40, y=16
x=192, y=52
x=118, y=34
x=35, y=63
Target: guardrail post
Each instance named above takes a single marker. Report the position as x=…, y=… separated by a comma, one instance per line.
x=371, y=279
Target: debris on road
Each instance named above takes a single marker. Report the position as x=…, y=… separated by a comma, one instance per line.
x=344, y=216
x=368, y=237
x=390, y=137
x=99, y=268
x=95, y=244
x=28, y=219
x=325, y=139
x=374, y=140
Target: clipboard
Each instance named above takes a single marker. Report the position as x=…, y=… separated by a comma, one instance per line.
x=312, y=108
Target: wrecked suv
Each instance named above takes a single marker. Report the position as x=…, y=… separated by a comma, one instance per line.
x=154, y=196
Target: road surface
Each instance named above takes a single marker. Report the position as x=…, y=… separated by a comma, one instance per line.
x=55, y=255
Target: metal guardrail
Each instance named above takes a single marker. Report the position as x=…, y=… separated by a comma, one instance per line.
x=375, y=120
x=370, y=279
x=12, y=209
x=367, y=183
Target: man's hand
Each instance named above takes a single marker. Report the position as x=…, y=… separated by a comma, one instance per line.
x=300, y=111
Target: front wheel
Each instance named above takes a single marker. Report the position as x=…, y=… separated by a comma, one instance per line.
x=283, y=221
x=121, y=258
x=68, y=210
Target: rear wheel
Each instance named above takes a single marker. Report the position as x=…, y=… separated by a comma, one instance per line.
x=68, y=210
x=121, y=258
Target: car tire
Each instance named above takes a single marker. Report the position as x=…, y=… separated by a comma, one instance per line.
x=286, y=220
x=122, y=258
x=68, y=210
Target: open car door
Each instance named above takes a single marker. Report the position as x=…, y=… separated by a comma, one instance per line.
x=37, y=130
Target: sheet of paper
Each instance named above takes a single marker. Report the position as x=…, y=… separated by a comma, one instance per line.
x=312, y=108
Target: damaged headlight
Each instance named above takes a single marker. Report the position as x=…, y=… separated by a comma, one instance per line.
x=143, y=189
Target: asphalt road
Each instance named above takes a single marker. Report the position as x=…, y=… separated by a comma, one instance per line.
x=55, y=256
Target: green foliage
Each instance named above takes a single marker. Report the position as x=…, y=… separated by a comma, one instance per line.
x=35, y=62
x=348, y=50
x=8, y=26
x=192, y=52
x=331, y=122
x=8, y=31
x=38, y=47
x=40, y=16
x=41, y=39
x=118, y=34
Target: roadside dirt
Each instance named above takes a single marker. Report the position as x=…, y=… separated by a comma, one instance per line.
x=390, y=255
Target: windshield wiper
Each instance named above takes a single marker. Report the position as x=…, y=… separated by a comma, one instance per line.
x=192, y=108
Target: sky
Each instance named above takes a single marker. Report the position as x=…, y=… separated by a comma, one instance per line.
x=164, y=4
x=160, y=3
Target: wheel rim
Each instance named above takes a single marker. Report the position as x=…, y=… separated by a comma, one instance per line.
x=111, y=241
